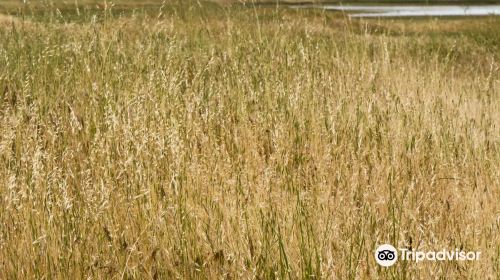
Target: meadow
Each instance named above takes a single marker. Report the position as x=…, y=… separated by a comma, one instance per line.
x=192, y=140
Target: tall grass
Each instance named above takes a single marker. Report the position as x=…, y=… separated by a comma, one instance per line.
x=185, y=142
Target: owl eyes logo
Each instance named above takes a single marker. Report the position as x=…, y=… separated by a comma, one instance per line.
x=386, y=255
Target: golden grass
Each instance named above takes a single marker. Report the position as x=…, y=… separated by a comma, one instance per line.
x=223, y=143
x=8, y=20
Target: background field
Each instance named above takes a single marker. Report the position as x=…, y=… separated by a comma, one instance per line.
x=191, y=140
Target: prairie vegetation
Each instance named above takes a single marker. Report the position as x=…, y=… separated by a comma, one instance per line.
x=190, y=140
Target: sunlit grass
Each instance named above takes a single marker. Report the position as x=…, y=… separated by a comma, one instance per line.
x=187, y=142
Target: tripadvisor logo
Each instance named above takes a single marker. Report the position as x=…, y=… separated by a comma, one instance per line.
x=386, y=255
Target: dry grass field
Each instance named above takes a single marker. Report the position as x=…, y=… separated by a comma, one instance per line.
x=189, y=140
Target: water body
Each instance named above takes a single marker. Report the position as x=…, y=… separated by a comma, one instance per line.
x=412, y=10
